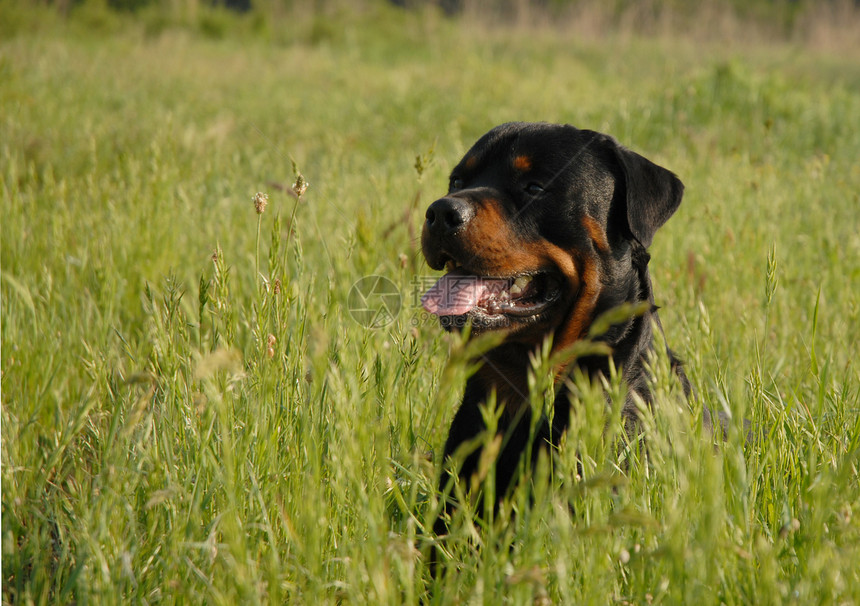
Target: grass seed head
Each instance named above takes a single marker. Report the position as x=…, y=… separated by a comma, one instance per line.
x=300, y=186
x=260, y=201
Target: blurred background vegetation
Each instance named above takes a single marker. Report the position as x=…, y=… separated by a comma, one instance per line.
x=821, y=22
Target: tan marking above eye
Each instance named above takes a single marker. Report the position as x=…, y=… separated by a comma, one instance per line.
x=471, y=161
x=522, y=163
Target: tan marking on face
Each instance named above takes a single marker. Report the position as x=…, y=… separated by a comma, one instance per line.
x=570, y=319
x=596, y=233
x=522, y=163
x=471, y=161
x=582, y=313
x=495, y=248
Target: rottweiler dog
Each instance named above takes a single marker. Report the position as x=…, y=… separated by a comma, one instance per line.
x=544, y=228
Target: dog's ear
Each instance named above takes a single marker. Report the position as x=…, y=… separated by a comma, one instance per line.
x=653, y=194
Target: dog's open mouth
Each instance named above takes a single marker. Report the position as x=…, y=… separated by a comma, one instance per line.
x=489, y=300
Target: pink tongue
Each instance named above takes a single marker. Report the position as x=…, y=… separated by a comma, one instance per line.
x=456, y=294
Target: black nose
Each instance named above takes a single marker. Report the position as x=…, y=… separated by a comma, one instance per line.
x=448, y=215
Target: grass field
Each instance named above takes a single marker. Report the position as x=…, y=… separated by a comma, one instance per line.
x=191, y=415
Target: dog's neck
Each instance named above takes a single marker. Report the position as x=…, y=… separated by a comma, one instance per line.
x=630, y=341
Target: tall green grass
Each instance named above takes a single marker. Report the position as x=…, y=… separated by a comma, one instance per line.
x=190, y=414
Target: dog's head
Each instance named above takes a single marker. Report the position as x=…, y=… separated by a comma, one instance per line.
x=540, y=231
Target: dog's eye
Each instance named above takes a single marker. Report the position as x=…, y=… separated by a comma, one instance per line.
x=455, y=183
x=534, y=189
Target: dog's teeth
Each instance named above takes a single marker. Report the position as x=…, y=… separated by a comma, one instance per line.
x=520, y=284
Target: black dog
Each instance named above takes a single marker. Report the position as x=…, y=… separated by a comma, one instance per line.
x=544, y=228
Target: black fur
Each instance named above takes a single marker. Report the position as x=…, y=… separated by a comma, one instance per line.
x=587, y=226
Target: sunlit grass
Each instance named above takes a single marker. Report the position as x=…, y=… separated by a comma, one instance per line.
x=190, y=414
